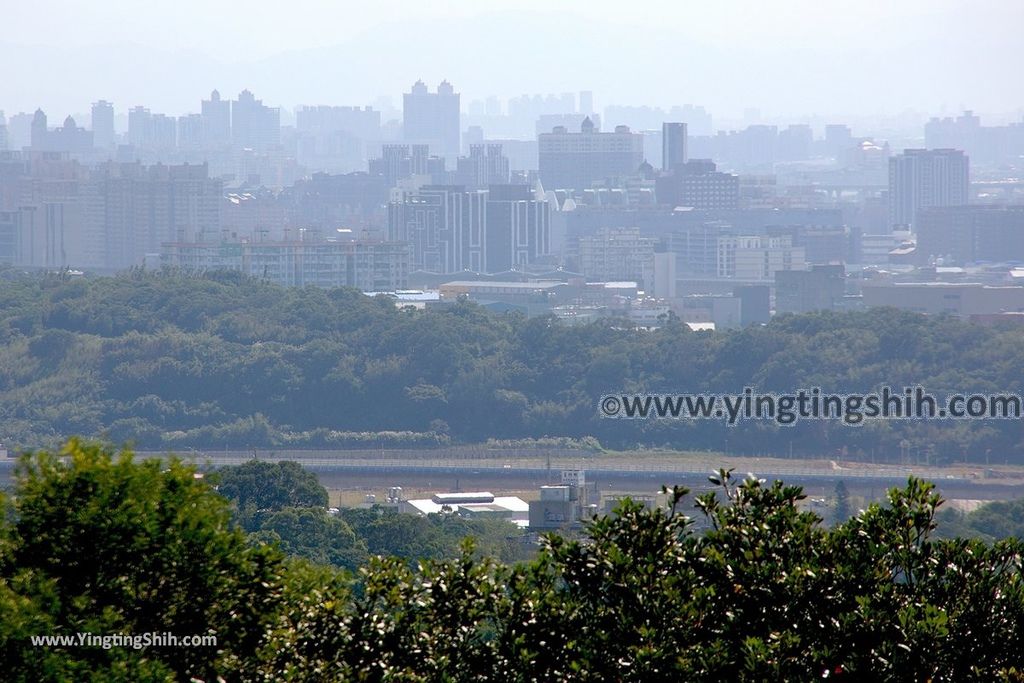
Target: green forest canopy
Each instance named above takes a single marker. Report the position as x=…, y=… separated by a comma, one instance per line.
x=168, y=361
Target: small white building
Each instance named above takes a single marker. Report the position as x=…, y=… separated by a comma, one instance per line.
x=471, y=504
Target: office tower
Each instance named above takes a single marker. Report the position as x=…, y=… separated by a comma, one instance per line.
x=451, y=229
x=216, y=115
x=4, y=142
x=485, y=165
x=697, y=184
x=921, y=178
x=673, y=145
x=959, y=235
x=821, y=243
x=103, y=124
x=616, y=254
x=444, y=226
x=757, y=257
x=577, y=160
x=821, y=288
x=190, y=132
x=755, y=303
x=663, y=275
x=254, y=125
x=140, y=127
x=586, y=102
x=432, y=118
x=838, y=138
x=518, y=228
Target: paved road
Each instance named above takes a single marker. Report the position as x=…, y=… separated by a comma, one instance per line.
x=611, y=473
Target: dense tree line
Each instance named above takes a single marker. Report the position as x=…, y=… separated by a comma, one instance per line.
x=167, y=361
x=991, y=522
x=92, y=541
x=283, y=504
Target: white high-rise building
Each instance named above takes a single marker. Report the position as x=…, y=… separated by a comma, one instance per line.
x=923, y=178
x=757, y=257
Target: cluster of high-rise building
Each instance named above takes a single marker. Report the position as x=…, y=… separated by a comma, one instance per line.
x=655, y=203
x=451, y=228
x=58, y=213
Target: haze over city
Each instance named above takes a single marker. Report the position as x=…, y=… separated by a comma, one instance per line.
x=795, y=58
x=512, y=341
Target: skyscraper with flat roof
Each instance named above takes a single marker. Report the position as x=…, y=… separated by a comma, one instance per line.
x=103, y=124
x=921, y=178
x=451, y=228
x=577, y=160
x=673, y=145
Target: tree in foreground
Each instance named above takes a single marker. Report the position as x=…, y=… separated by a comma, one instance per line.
x=761, y=590
x=95, y=542
x=767, y=592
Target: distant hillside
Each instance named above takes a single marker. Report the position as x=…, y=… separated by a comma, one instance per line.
x=175, y=362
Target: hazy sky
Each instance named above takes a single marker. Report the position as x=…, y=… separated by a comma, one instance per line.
x=788, y=57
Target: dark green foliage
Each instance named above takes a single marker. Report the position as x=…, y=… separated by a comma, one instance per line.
x=434, y=537
x=841, y=504
x=991, y=521
x=314, y=534
x=767, y=593
x=260, y=487
x=172, y=362
x=284, y=504
x=97, y=542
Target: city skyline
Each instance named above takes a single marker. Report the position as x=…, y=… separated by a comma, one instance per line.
x=788, y=59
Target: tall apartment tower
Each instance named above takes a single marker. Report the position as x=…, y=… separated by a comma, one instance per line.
x=432, y=118
x=103, y=124
x=923, y=178
x=216, y=116
x=254, y=125
x=39, y=129
x=140, y=126
x=673, y=145
x=577, y=160
x=450, y=228
x=586, y=102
